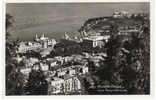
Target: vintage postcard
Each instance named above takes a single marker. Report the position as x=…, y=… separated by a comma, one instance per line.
x=77, y=48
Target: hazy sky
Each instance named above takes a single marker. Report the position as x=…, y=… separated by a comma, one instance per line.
x=54, y=19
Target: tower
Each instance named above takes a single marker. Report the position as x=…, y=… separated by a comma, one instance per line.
x=84, y=33
x=45, y=44
x=66, y=36
x=43, y=35
x=36, y=37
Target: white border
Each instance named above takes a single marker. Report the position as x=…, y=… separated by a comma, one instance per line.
x=46, y=1
x=110, y=97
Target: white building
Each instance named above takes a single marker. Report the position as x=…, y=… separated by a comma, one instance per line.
x=44, y=67
x=26, y=46
x=81, y=69
x=65, y=85
x=30, y=62
x=117, y=14
x=18, y=58
x=120, y=14
x=127, y=30
x=56, y=85
x=36, y=67
x=71, y=84
x=39, y=43
x=94, y=41
x=42, y=38
x=25, y=71
x=72, y=70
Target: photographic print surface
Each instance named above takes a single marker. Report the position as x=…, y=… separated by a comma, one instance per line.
x=77, y=48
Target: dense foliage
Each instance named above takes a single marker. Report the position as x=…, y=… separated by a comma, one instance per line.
x=127, y=65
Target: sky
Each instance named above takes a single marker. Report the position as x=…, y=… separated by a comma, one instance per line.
x=54, y=19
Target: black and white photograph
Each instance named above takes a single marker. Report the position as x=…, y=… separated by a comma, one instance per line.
x=83, y=48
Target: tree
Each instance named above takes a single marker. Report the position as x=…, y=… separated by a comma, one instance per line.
x=9, y=24
x=37, y=85
x=14, y=79
x=9, y=45
x=112, y=47
x=15, y=83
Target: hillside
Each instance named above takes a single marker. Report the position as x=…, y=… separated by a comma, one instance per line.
x=99, y=24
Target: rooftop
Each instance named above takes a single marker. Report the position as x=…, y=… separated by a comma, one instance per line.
x=94, y=38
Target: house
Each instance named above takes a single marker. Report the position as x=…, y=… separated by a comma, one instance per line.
x=46, y=51
x=25, y=71
x=71, y=84
x=81, y=69
x=95, y=41
x=65, y=85
x=26, y=46
x=18, y=58
x=52, y=62
x=44, y=66
x=120, y=14
x=38, y=43
x=30, y=62
x=55, y=85
x=42, y=38
x=127, y=30
x=67, y=70
x=36, y=66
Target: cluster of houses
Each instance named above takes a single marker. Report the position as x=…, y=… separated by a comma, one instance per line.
x=61, y=72
x=38, y=43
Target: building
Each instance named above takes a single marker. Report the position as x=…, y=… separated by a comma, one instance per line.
x=72, y=70
x=46, y=51
x=128, y=30
x=27, y=46
x=36, y=67
x=44, y=66
x=95, y=41
x=25, y=71
x=71, y=84
x=64, y=85
x=38, y=43
x=18, y=58
x=117, y=14
x=52, y=62
x=81, y=69
x=45, y=41
x=52, y=43
x=60, y=71
x=30, y=62
x=42, y=38
x=55, y=85
x=106, y=29
x=67, y=70
x=120, y=14
x=96, y=60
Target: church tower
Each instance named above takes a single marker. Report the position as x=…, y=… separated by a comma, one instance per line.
x=66, y=36
x=36, y=37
